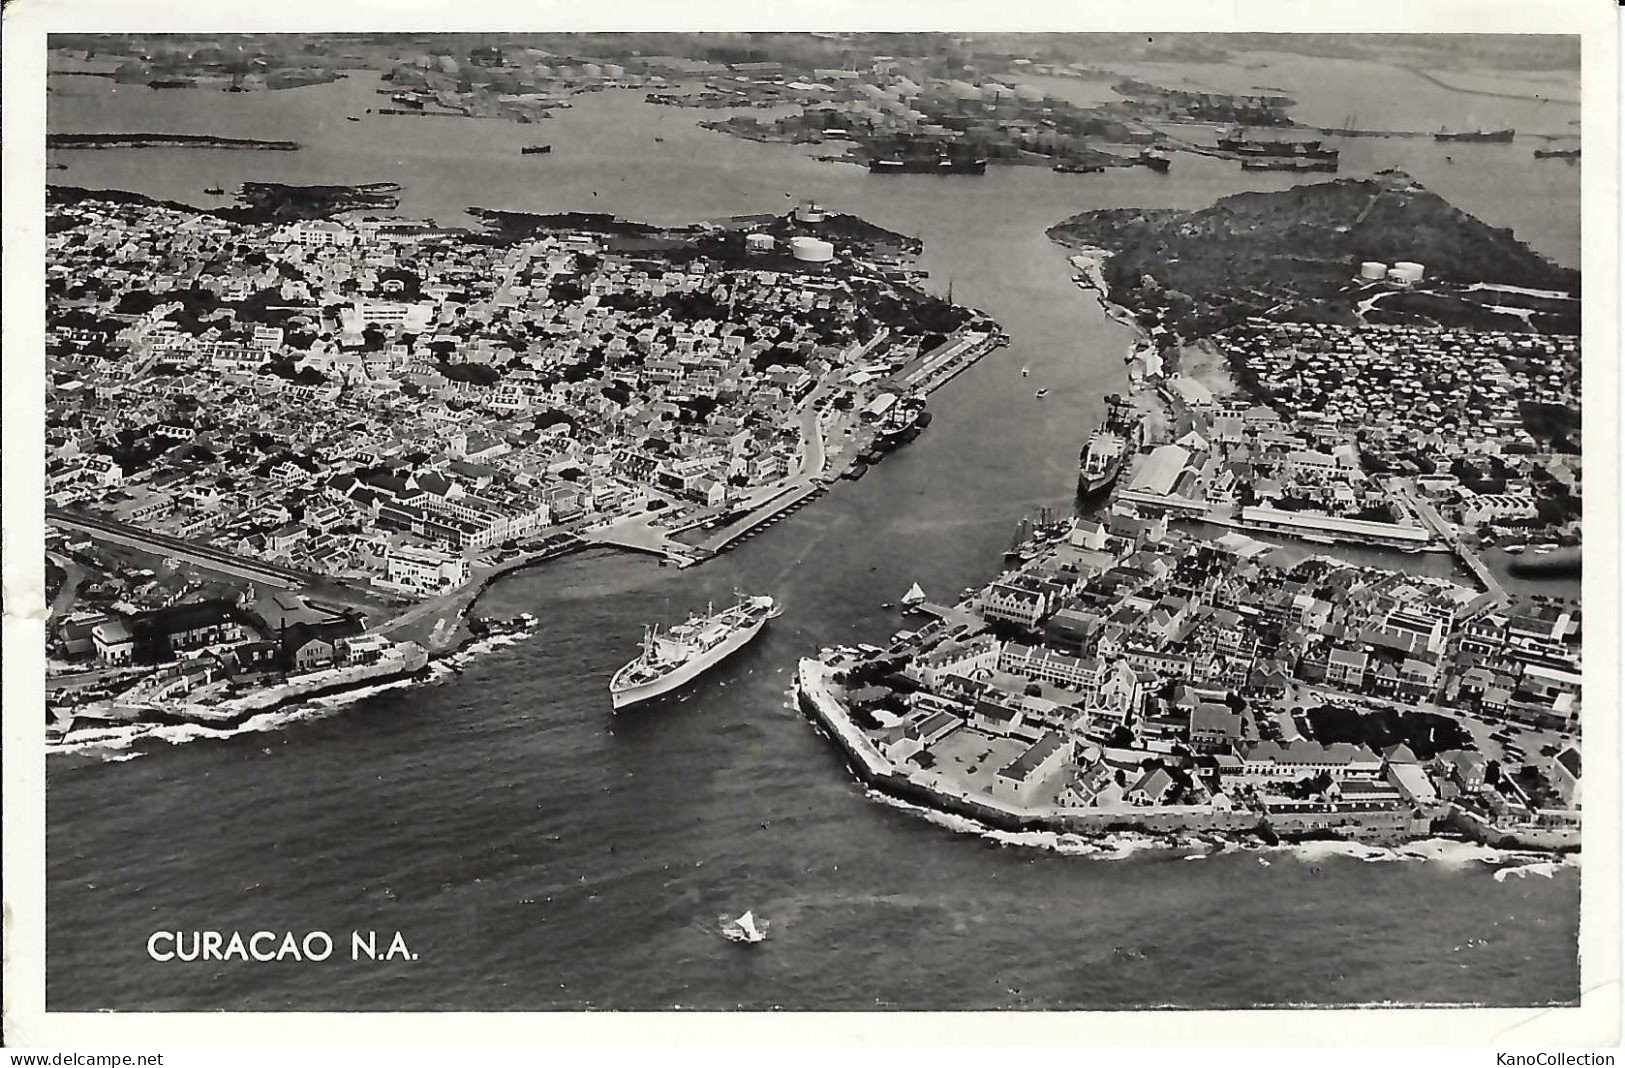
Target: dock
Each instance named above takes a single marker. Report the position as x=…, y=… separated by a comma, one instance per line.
x=946, y=362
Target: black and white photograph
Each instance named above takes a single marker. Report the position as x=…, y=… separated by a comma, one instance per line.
x=864, y=521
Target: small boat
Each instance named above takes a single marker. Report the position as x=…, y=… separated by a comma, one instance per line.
x=662, y=140
x=351, y=118
x=887, y=605
x=1041, y=394
x=1025, y=372
x=536, y=150
x=215, y=191
x=745, y=929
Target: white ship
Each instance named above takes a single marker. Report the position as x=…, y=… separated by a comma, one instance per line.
x=672, y=659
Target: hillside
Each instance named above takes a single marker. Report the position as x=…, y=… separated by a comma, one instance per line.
x=1295, y=254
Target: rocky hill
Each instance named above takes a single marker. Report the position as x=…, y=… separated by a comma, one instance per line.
x=1295, y=254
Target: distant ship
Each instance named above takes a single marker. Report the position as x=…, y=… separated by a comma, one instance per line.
x=686, y=651
x=1289, y=163
x=1103, y=455
x=1154, y=158
x=927, y=165
x=352, y=118
x=1241, y=144
x=535, y=150
x=1498, y=136
x=1070, y=167
x=1557, y=153
x=215, y=190
x=913, y=157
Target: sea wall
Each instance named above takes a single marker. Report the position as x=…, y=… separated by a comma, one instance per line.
x=1478, y=829
x=237, y=711
x=817, y=700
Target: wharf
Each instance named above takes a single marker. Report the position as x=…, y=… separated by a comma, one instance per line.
x=771, y=512
x=943, y=364
x=948, y=615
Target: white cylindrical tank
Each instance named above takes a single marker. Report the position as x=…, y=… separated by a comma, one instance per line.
x=1373, y=271
x=811, y=250
x=809, y=213
x=1397, y=276
x=759, y=242
x=1410, y=272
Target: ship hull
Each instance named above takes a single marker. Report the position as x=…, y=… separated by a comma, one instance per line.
x=1300, y=165
x=675, y=680
x=1091, y=484
x=927, y=166
x=1492, y=137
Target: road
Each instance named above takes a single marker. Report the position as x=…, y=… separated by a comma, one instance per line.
x=1448, y=534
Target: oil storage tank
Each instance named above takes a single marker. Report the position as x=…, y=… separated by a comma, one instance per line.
x=811, y=250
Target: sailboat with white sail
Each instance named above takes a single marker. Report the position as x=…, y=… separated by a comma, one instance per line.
x=745, y=929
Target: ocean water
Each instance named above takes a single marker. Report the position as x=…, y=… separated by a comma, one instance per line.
x=537, y=853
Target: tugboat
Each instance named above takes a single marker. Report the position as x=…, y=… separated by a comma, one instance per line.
x=670, y=660
x=535, y=150
x=1154, y=158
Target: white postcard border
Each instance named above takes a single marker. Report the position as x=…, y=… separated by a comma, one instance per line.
x=1595, y=1022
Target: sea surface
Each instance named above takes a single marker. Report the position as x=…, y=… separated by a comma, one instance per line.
x=537, y=853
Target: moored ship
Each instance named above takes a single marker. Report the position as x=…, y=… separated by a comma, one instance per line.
x=1289, y=163
x=1496, y=136
x=1108, y=448
x=676, y=657
x=1557, y=153
x=1154, y=158
x=1238, y=142
x=912, y=157
x=902, y=422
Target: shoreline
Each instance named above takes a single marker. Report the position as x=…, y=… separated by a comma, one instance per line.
x=438, y=625
x=106, y=141
x=1168, y=829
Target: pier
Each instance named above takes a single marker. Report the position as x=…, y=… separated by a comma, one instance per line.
x=946, y=362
